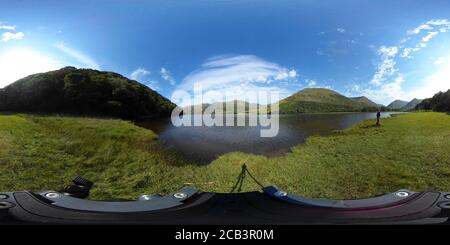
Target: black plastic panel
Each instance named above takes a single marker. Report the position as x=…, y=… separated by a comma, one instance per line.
x=238, y=208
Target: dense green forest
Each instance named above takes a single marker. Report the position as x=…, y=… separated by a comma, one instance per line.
x=84, y=92
x=439, y=102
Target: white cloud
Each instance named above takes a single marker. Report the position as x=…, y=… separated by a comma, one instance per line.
x=292, y=73
x=439, y=26
x=384, y=93
x=407, y=51
x=153, y=85
x=7, y=27
x=386, y=67
x=388, y=51
x=422, y=44
x=166, y=75
x=139, y=74
x=311, y=83
x=443, y=24
x=341, y=30
x=419, y=29
x=239, y=73
x=18, y=63
x=222, y=70
x=10, y=33
x=7, y=36
x=79, y=56
x=388, y=82
x=430, y=36
x=392, y=90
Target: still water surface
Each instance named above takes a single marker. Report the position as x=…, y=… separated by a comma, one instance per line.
x=204, y=144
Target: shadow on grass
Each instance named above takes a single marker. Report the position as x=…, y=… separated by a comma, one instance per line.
x=174, y=158
x=370, y=126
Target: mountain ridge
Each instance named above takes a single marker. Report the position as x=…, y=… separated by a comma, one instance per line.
x=402, y=105
x=397, y=104
x=309, y=100
x=312, y=100
x=365, y=101
x=411, y=105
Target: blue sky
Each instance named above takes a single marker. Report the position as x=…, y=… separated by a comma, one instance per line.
x=384, y=50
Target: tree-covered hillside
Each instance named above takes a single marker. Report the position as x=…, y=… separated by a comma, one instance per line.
x=439, y=102
x=84, y=92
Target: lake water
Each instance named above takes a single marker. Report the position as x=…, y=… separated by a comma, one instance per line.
x=204, y=144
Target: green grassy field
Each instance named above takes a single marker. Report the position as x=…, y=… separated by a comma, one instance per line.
x=410, y=151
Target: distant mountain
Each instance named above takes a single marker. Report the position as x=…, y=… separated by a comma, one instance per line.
x=411, y=105
x=194, y=109
x=401, y=105
x=312, y=100
x=365, y=102
x=397, y=104
x=84, y=92
x=238, y=105
x=439, y=102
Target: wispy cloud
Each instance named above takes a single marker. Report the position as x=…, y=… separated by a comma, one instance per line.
x=239, y=74
x=387, y=82
x=139, y=73
x=10, y=33
x=388, y=91
x=7, y=27
x=222, y=70
x=386, y=67
x=142, y=75
x=153, y=85
x=341, y=30
x=8, y=36
x=443, y=24
x=311, y=83
x=432, y=27
x=166, y=75
x=79, y=56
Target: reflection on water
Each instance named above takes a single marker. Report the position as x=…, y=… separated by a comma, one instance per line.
x=204, y=144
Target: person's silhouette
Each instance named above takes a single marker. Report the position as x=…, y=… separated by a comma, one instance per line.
x=378, y=118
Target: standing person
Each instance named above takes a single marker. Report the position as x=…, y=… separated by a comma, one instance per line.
x=378, y=118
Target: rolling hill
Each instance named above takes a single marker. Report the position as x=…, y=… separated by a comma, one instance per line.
x=401, y=105
x=84, y=92
x=411, y=105
x=239, y=106
x=397, y=104
x=365, y=102
x=312, y=100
